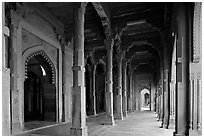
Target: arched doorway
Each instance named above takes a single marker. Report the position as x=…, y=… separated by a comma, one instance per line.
x=145, y=99
x=39, y=89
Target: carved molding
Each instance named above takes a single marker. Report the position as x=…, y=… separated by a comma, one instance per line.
x=44, y=55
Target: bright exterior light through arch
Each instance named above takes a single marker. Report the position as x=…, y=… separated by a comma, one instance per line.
x=43, y=70
x=145, y=103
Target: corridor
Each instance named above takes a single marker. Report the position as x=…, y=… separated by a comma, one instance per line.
x=138, y=123
x=101, y=68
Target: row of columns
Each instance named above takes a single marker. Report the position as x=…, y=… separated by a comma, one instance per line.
x=174, y=98
x=78, y=90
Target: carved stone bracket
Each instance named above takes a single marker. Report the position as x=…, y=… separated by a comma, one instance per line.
x=104, y=19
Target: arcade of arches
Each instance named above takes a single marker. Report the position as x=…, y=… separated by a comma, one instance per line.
x=65, y=62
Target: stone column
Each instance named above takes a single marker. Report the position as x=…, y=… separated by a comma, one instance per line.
x=130, y=93
x=162, y=96
x=166, y=99
x=158, y=104
x=119, y=113
x=150, y=97
x=91, y=93
x=109, y=83
x=182, y=74
x=134, y=93
x=94, y=89
x=172, y=99
x=165, y=41
x=124, y=87
x=79, y=127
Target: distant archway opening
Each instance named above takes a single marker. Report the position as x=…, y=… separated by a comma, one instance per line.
x=39, y=89
x=145, y=99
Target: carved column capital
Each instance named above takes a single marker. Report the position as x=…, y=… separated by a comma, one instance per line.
x=119, y=57
x=109, y=43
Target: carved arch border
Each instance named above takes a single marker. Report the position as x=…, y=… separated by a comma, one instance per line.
x=35, y=51
x=20, y=24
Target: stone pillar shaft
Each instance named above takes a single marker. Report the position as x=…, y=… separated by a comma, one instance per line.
x=166, y=99
x=124, y=87
x=78, y=89
x=119, y=114
x=109, y=83
x=94, y=90
x=182, y=101
x=130, y=94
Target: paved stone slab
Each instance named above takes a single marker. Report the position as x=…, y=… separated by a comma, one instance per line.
x=138, y=123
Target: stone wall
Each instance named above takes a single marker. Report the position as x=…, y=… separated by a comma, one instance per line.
x=28, y=31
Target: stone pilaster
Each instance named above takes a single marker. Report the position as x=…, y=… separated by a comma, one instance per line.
x=109, y=83
x=79, y=127
x=199, y=125
x=124, y=88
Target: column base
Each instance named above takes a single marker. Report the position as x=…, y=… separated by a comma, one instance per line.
x=166, y=123
x=109, y=120
x=78, y=131
x=166, y=126
x=63, y=117
x=94, y=113
x=16, y=128
x=177, y=134
x=199, y=126
x=161, y=126
x=129, y=111
x=119, y=116
x=125, y=114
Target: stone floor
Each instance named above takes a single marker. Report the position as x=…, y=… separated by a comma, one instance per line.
x=138, y=123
